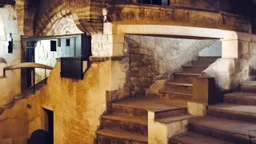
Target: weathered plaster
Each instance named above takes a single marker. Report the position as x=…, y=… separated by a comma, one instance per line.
x=73, y=101
x=155, y=58
x=9, y=25
x=230, y=72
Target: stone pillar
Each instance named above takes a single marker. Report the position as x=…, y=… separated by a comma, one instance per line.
x=109, y=43
x=230, y=48
x=116, y=40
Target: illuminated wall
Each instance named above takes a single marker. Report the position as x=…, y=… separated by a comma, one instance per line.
x=9, y=24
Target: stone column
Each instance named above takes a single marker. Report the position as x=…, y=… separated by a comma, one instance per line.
x=230, y=48
x=109, y=43
x=116, y=40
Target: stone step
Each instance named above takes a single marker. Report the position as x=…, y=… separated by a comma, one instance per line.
x=194, y=68
x=127, y=123
x=139, y=107
x=122, y=110
x=167, y=94
x=237, y=132
x=174, y=118
x=175, y=111
x=233, y=112
x=179, y=87
x=241, y=98
x=248, y=86
x=194, y=138
x=116, y=136
x=185, y=77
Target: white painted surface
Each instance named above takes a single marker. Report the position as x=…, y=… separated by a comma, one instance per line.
x=10, y=86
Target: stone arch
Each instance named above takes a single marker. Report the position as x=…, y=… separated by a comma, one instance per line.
x=63, y=26
x=60, y=24
x=48, y=20
x=86, y=21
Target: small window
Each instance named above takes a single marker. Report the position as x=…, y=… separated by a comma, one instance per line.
x=67, y=42
x=53, y=46
x=59, y=42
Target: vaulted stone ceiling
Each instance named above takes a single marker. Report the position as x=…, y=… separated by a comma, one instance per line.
x=5, y=2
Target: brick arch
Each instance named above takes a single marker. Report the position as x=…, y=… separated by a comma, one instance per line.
x=43, y=29
x=62, y=26
x=55, y=12
x=81, y=10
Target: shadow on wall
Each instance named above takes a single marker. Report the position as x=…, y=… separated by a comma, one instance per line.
x=40, y=137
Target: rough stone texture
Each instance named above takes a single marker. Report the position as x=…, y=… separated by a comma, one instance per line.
x=228, y=72
x=64, y=26
x=101, y=45
x=155, y=87
x=153, y=58
x=72, y=100
x=13, y=123
x=8, y=24
x=87, y=15
x=140, y=14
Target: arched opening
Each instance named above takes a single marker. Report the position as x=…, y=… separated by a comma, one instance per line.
x=47, y=51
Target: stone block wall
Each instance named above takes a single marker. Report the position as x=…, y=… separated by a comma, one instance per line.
x=157, y=58
x=101, y=45
x=230, y=72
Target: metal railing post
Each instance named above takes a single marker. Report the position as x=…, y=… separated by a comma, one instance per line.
x=34, y=81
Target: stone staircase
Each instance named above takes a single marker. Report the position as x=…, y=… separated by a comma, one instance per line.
x=181, y=84
x=233, y=121
x=129, y=121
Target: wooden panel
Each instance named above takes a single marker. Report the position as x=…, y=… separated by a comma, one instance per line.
x=72, y=67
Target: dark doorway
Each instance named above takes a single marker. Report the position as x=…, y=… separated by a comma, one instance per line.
x=50, y=119
x=41, y=136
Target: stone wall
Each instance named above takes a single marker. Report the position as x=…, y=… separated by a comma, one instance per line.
x=77, y=104
x=230, y=72
x=9, y=24
x=157, y=58
x=101, y=45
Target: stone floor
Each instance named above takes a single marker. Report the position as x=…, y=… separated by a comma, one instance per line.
x=151, y=103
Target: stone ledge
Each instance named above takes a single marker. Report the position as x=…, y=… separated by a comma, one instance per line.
x=106, y=58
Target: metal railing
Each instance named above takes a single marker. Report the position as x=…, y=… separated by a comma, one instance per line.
x=72, y=67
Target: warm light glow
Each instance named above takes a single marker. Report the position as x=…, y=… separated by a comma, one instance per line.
x=2, y=32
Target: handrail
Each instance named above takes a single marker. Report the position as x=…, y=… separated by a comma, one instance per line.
x=27, y=65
